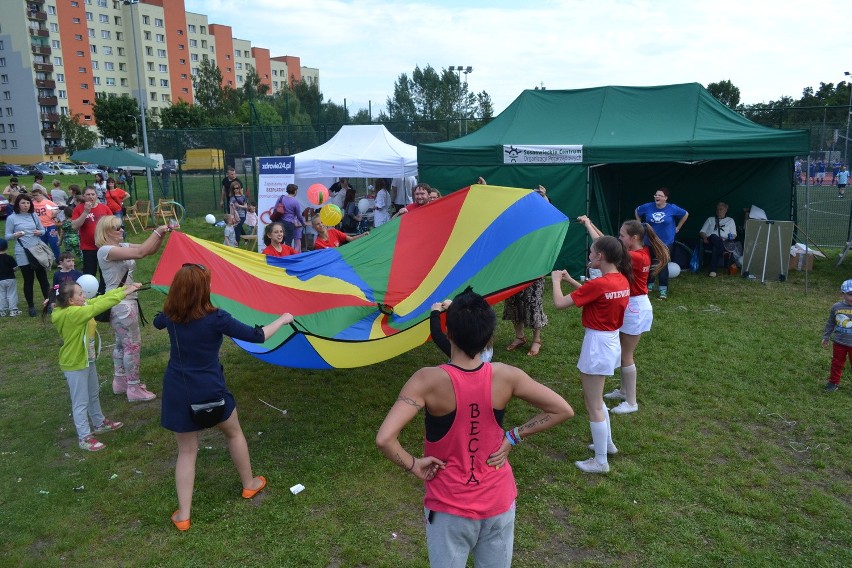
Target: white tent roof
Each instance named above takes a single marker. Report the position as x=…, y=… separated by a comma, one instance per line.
x=359, y=151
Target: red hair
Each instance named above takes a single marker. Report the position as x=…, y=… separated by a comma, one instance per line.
x=189, y=295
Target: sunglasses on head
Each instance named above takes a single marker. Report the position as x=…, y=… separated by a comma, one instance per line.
x=196, y=265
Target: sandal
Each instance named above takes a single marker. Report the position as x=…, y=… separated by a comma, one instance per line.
x=534, y=351
x=180, y=525
x=516, y=343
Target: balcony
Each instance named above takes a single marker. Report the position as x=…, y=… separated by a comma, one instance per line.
x=53, y=150
x=36, y=2
x=51, y=133
x=41, y=50
x=50, y=117
x=46, y=84
x=43, y=67
x=38, y=16
x=39, y=32
x=48, y=101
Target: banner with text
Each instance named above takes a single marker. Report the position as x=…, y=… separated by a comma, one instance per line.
x=275, y=174
x=545, y=154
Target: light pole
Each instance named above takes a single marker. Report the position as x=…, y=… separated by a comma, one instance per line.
x=136, y=124
x=140, y=98
x=848, y=118
x=459, y=69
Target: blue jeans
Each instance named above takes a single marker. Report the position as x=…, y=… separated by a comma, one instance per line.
x=51, y=239
x=450, y=540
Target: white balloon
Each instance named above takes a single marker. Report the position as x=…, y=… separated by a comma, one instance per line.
x=674, y=270
x=210, y=218
x=89, y=284
x=364, y=205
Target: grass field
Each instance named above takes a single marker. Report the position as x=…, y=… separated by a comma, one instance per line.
x=736, y=457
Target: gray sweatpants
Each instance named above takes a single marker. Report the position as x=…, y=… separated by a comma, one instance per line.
x=9, y=294
x=85, y=399
x=450, y=540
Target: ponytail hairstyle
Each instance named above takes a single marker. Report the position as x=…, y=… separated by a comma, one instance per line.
x=61, y=295
x=659, y=250
x=615, y=253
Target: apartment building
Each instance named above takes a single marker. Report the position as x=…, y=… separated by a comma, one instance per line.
x=58, y=56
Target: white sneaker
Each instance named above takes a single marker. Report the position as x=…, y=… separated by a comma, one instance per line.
x=610, y=449
x=615, y=395
x=624, y=408
x=591, y=465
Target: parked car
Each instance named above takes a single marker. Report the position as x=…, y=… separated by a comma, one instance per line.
x=44, y=169
x=89, y=169
x=65, y=169
x=12, y=170
x=5, y=208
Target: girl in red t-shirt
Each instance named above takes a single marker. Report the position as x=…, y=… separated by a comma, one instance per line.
x=603, y=301
x=273, y=238
x=639, y=314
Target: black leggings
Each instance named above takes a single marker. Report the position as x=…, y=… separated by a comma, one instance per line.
x=30, y=274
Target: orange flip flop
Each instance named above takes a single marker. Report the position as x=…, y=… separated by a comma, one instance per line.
x=180, y=525
x=249, y=493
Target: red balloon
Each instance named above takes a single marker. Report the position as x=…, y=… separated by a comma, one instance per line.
x=318, y=194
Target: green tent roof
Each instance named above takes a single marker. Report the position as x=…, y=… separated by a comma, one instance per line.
x=620, y=125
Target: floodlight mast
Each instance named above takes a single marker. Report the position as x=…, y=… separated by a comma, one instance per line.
x=459, y=69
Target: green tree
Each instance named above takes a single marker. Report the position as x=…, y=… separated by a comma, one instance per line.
x=76, y=135
x=309, y=96
x=183, y=115
x=362, y=117
x=725, y=92
x=207, y=85
x=265, y=114
x=115, y=116
x=252, y=84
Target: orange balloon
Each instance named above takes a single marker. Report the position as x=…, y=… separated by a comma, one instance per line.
x=318, y=194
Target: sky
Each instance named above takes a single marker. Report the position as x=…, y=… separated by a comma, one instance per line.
x=768, y=49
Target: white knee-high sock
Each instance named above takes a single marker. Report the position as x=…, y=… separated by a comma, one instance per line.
x=628, y=383
x=605, y=411
x=600, y=432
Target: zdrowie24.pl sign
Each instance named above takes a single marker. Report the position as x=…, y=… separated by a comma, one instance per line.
x=572, y=154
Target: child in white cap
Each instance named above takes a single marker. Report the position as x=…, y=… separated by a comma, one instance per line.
x=840, y=324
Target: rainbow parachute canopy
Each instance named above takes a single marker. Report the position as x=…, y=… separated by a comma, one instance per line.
x=369, y=301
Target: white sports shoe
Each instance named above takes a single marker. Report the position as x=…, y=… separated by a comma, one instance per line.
x=624, y=408
x=591, y=465
x=615, y=395
x=610, y=449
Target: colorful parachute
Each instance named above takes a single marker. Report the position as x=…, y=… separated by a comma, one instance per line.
x=369, y=301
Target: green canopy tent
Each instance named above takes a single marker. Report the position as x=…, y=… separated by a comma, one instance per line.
x=605, y=150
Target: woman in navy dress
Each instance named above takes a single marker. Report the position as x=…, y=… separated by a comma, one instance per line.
x=194, y=375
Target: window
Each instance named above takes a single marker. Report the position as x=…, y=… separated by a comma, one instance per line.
x=107, y=50
x=239, y=78
x=51, y=10
x=153, y=96
x=103, y=18
x=2, y=62
x=89, y=16
x=160, y=38
x=275, y=84
x=123, y=82
x=75, y=20
x=204, y=29
x=91, y=32
x=8, y=111
x=163, y=68
x=14, y=143
x=11, y=128
x=194, y=71
x=147, y=36
x=228, y=56
x=203, y=44
x=183, y=76
x=193, y=57
x=166, y=98
x=62, y=94
x=78, y=37
x=2, y=144
x=161, y=53
x=120, y=50
x=239, y=66
x=117, y=20
x=193, y=43
x=105, y=34
x=54, y=27
x=158, y=23
x=146, y=20
x=164, y=82
x=181, y=46
x=80, y=54
x=110, y=81
x=7, y=96
x=87, y=117
x=184, y=90
x=96, y=80
x=57, y=61
x=109, y=65
x=182, y=61
x=60, y=77
x=81, y=69
x=95, y=65
x=122, y=66
x=119, y=36
x=102, y=3
x=150, y=66
x=4, y=79
x=84, y=86
x=2, y=128
x=54, y=44
x=191, y=28
x=93, y=48
x=149, y=51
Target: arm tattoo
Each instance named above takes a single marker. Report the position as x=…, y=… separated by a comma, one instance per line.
x=540, y=422
x=410, y=401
